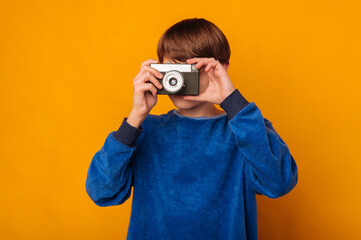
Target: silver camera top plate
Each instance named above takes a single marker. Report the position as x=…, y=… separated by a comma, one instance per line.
x=165, y=67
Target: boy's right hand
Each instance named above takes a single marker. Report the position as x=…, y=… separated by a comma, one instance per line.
x=143, y=101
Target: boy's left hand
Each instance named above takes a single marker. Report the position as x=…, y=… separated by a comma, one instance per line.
x=220, y=85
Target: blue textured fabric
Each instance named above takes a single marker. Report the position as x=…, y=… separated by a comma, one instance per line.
x=194, y=178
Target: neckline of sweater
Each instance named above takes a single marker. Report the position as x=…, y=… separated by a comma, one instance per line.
x=176, y=112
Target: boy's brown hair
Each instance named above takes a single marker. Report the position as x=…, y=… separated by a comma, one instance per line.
x=194, y=37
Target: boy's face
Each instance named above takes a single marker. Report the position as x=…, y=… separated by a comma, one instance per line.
x=178, y=100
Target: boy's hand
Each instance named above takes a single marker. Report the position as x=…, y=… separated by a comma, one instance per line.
x=143, y=100
x=220, y=85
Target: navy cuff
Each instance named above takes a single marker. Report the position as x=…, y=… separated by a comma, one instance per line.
x=127, y=134
x=234, y=103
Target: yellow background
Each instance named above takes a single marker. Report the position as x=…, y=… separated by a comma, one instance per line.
x=66, y=71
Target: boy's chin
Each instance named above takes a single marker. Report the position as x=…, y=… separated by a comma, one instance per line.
x=180, y=103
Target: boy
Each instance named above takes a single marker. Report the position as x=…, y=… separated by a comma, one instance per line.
x=196, y=169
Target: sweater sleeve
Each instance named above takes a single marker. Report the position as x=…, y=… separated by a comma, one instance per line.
x=127, y=134
x=110, y=174
x=270, y=168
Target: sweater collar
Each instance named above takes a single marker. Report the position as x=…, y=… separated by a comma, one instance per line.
x=176, y=113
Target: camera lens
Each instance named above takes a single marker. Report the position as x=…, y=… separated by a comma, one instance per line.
x=173, y=81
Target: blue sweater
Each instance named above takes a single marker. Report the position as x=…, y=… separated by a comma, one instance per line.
x=193, y=178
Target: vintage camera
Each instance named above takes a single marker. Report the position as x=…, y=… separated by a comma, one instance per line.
x=178, y=78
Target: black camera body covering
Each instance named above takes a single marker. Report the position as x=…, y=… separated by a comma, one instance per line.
x=178, y=78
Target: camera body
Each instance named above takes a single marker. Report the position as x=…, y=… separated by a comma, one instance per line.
x=178, y=78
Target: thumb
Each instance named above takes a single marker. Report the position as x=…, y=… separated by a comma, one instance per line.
x=192, y=98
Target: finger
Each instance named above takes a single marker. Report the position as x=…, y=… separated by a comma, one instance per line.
x=211, y=65
x=154, y=71
x=193, y=60
x=149, y=61
x=151, y=79
x=148, y=76
x=193, y=98
x=150, y=73
x=154, y=91
x=204, y=62
x=146, y=87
